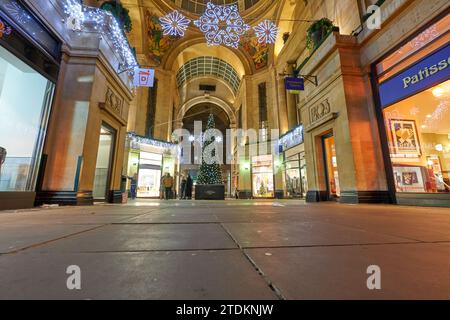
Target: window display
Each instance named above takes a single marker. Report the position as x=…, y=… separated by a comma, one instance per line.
x=296, y=183
x=23, y=122
x=414, y=96
x=149, y=180
x=262, y=176
x=418, y=135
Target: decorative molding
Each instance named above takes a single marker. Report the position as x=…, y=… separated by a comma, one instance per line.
x=114, y=105
x=317, y=112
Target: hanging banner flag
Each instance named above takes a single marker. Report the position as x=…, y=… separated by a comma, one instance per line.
x=144, y=77
x=294, y=85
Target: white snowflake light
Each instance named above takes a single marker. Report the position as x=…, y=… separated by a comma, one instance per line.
x=174, y=24
x=267, y=32
x=222, y=25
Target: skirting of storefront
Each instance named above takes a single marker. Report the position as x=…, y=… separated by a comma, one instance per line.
x=353, y=197
x=316, y=196
x=365, y=197
x=65, y=198
x=245, y=194
x=423, y=199
x=16, y=200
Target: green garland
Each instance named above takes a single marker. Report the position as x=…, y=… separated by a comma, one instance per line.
x=120, y=13
x=325, y=24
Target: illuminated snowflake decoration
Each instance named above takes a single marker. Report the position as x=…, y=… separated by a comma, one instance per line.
x=267, y=32
x=222, y=25
x=174, y=24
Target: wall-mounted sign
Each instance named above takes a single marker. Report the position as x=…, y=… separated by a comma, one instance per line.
x=144, y=77
x=423, y=75
x=294, y=85
x=291, y=139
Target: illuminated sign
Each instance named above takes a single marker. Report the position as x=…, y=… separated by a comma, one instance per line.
x=425, y=74
x=144, y=77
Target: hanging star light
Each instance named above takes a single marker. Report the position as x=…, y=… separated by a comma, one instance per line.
x=174, y=24
x=222, y=25
x=267, y=32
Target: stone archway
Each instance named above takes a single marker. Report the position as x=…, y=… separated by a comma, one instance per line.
x=199, y=100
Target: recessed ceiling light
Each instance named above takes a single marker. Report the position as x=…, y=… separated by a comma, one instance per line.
x=424, y=126
x=438, y=92
x=439, y=147
x=429, y=116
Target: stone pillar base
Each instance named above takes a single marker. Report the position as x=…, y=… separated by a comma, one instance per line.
x=115, y=196
x=316, y=196
x=279, y=194
x=64, y=198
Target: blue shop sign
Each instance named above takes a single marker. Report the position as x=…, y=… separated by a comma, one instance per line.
x=294, y=84
x=428, y=72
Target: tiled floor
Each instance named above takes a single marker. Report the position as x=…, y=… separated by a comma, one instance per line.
x=226, y=250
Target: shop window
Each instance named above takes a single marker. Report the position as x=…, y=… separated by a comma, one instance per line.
x=414, y=92
x=149, y=179
x=296, y=183
x=418, y=131
x=262, y=176
x=23, y=121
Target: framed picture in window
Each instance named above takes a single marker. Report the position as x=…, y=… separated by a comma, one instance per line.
x=409, y=179
x=404, y=137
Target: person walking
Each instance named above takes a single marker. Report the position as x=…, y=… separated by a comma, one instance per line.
x=168, y=185
x=133, y=186
x=189, y=183
x=183, y=188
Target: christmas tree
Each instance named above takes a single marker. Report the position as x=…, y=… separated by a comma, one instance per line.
x=210, y=173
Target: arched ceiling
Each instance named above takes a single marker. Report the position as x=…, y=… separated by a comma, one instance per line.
x=200, y=112
x=169, y=53
x=219, y=52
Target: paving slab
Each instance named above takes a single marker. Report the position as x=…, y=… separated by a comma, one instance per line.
x=13, y=238
x=158, y=275
x=175, y=217
x=145, y=237
x=315, y=233
x=408, y=271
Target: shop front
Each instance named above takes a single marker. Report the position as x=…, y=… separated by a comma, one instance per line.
x=148, y=161
x=263, y=177
x=29, y=60
x=295, y=182
x=413, y=93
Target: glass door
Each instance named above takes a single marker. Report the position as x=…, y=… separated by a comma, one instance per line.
x=104, y=161
x=331, y=167
x=149, y=181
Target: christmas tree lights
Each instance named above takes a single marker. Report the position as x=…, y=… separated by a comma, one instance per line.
x=210, y=171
